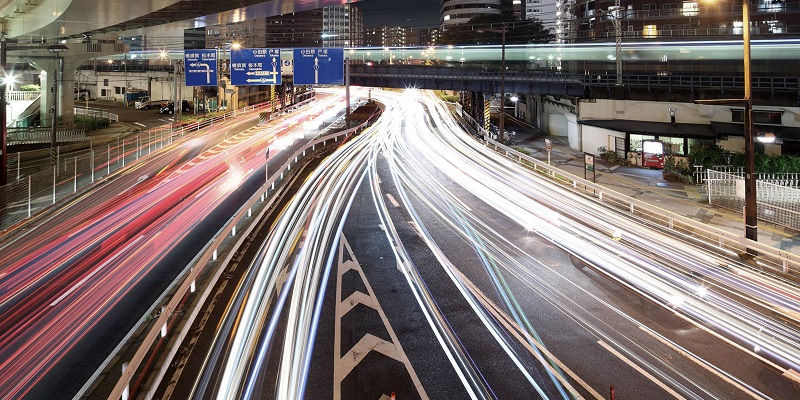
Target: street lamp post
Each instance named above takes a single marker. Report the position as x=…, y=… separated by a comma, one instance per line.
x=750, y=198
x=502, y=86
x=56, y=49
x=501, y=125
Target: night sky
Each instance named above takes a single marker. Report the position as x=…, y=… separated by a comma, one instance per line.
x=406, y=13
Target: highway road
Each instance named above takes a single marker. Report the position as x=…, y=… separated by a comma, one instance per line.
x=416, y=260
x=76, y=278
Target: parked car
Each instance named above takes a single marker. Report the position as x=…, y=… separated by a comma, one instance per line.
x=81, y=94
x=145, y=103
x=186, y=106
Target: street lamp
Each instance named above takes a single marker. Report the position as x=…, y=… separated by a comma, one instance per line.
x=502, y=79
x=56, y=49
x=750, y=200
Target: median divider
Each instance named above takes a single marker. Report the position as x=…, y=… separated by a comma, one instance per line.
x=166, y=332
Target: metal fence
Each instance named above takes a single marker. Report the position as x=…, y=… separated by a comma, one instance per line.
x=18, y=136
x=34, y=184
x=96, y=113
x=777, y=195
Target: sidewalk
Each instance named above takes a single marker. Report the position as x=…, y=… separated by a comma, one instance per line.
x=649, y=186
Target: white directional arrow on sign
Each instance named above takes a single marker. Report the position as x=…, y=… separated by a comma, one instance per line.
x=316, y=70
x=207, y=70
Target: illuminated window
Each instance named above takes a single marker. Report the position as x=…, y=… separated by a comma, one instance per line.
x=650, y=31
x=689, y=9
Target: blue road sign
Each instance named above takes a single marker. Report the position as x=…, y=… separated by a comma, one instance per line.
x=256, y=67
x=322, y=66
x=201, y=67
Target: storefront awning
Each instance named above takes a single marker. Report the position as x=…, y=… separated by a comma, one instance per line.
x=780, y=131
x=655, y=128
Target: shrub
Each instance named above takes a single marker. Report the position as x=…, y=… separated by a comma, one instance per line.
x=90, y=123
x=676, y=171
x=522, y=150
x=611, y=156
x=31, y=87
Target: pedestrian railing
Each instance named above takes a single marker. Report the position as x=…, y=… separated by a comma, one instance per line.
x=777, y=260
x=98, y=113
x=769, y=257
x=37, y=135
x=778, y=199
x=41, y=178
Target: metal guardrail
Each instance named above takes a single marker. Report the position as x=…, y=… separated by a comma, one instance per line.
x=76, y=168
x=96, y=113
x=774, y=259
x=777, y=260
x=202, y=265
x=18, y=136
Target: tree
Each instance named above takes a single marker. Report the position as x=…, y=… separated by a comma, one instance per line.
x=487, y=29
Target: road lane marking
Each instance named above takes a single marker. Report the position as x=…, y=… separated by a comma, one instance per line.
x=96, y=270
x=524, y=338
x=140, y=124
x=344, y=365
x=640, y=370
x=696, y=359
x=392, y=200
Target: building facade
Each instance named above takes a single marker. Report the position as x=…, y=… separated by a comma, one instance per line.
x=342, y=26
x=683, y=20
x=456, y=12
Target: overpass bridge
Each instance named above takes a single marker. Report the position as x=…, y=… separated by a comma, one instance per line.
x=565, y=84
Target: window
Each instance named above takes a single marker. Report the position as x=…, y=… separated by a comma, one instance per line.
x=636, y=141
x=105, y=82
x=695, y=143
x=650, y=31
x=689, y=9
x=672, y=145
x=103, y=92
x=759, y=117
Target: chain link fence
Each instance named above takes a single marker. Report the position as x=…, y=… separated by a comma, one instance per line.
x=777, y=195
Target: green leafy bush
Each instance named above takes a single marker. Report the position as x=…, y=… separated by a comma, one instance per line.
x=676, y=170
x=710, y=156
x=611, y=156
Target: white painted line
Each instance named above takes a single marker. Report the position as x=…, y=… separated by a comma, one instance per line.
x=641, y=370
x=140, y=124
x=96, y=270
x=792, y=374
x=694, y=358
x=525, y=339
x=392, y=200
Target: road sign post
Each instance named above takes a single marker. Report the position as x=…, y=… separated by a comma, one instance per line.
x=255, y=67
x=588, y=160
x=319, y=66
x=200, y=69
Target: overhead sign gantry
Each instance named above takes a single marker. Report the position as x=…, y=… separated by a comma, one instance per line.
x=255, y=66
x=319, y=66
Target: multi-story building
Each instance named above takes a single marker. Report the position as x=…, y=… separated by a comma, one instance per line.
x=456, y=12
x=387, y=36
x=342, y=26
x=423, y=37
x=683, y=19
x=545, y=11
